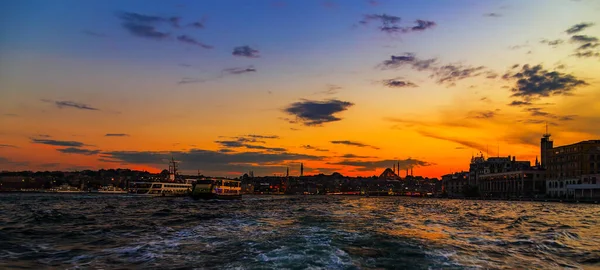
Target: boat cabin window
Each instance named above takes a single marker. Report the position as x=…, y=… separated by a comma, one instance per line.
x=140, y=185
x=157, y=186
x=204, y=181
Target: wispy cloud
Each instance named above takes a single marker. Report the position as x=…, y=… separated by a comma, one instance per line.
x=245, y=51
x=354, y=143
x=578, y=27
x=492, y=14
x=373, y=165
x=462, y=142
x=190, y=40
x=482, y=114
x=398, y=83
x=57, y=142
x=391, y=24
x=78, y=151
x=316, y=113
x=71, y=104
x=310, y=147
x=239, y=70
x=116, y=135
x=8, y=146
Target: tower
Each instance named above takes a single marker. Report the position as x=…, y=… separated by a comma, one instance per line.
x=287, y=172
x=545, y=145
x=301, y=169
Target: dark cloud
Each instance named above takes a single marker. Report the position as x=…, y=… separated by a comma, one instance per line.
x=189, y=40
x=520, y=103
x=583, y=39
x=145, y=25
x=116, y=135
x=355, y=156
x=578, y=28
x=398, y=83
x=146, y=31
x=492, y=14
x=390, y=24
x=191, y=80
x=309, y=147
x=197, y=25
x=315, y=113
x=245, y=51
x=587, y=54
x=408, y=59
x=353, y=143
x=482, y=114
x=536, y=82
x=57, y=142
x=262, y=136
x=260, y=147
x=11, y=114
x=469, y=144
x=71, y=104
x=373, y=165
x=79, y=151
x=552, y=42
x=537, y=112
x=422, y=25
x=239, y=70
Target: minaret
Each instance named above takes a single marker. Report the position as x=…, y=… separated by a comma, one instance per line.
x=287, y=172
x=301, y=169
x=411, y=171
x=545, y=145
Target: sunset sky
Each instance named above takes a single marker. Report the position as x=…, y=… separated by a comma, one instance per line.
x=352, y=86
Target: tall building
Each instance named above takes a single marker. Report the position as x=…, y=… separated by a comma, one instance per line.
x=505, y=177
x=545, y=145
x=571, y=166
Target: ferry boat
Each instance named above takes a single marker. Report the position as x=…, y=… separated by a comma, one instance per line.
x=171, y=188
x=227, y=189
x=160, y=189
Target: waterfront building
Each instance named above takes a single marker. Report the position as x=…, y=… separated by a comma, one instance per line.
x=573, y=168
x=453, y=184
x=526, y=183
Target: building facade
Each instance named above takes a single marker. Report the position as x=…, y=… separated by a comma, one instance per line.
x=454, y=183
x=527, y=183
x=570, y=165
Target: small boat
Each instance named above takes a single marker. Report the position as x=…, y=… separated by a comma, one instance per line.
x=160, y=189
x=225, y=189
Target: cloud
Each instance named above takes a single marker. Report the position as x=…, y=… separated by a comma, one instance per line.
x=262, y=136
x=8, y=146
x=534, y=112
x=578, y=28
x=239, y=70
x=316, y=113
x=583, y=39
x=189, y=40
x=11, y=114
x=145, y=25
x=355, y=156
x=243, y=141
x=552, y=42
x=449, y=74
x=57, y=142
x=353, y=143
x=398, y=83
x=331, y=90
x=191, y=80
x=390, y=24
x=520, y=103
x=587, y=54
x=245, y=51
x=116, y=135
x=309, y=147
x=146, y=31
x=482, y=114
x=71, y=104
x=373, y=165
x=536, y=82
x=78, y=151
x=470, y=144
x=408, y=59
x=422, y=25
x=492, y=14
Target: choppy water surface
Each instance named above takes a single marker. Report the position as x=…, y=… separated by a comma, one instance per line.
x=95, y=231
